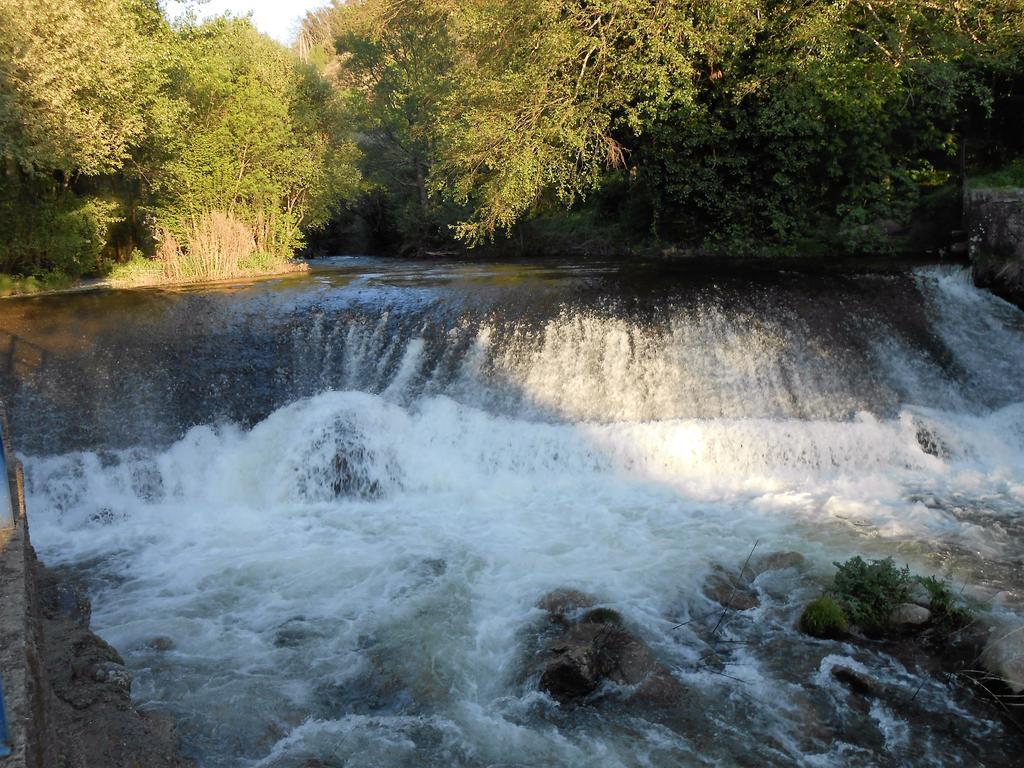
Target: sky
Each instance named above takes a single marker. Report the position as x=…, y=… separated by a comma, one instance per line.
x=278, y=18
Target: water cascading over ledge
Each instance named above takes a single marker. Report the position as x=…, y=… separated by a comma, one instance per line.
x=348, y=527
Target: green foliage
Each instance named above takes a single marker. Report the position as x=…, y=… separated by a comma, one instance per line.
x=116, y=126
x=259, y=137
x=395, y=59
x=1010, y=175
x=824, y=618
x=749, y=126
x=730, y=126
x=137, y=270
x=52, y=232
x=11, y=285
x=870, y=590
x=77, y=79
x=261, y=262
x=947, y=607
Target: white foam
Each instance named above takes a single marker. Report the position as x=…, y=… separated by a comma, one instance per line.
x=398, y=544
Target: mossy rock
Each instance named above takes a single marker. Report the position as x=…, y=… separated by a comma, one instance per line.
x=824, y=618
x=565, y=601
x=602, y=616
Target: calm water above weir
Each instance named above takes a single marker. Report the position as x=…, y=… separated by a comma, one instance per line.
x=316, y=513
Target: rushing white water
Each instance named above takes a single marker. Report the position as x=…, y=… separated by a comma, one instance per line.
x=351, y=580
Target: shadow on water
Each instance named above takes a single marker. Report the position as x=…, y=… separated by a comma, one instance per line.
x=448, y=442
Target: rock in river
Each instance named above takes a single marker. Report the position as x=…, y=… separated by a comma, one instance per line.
x=856, y=681
x=595, y=649
x=907, y=616
x=1003, y=655
x=727, y=590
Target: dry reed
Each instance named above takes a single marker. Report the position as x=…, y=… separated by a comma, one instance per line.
x=217, y=246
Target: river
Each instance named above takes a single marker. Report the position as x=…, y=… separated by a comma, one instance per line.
x=316, y=513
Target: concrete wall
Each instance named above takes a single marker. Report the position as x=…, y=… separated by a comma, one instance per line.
x=65, y=709
x=20, y=667
x=994, y=219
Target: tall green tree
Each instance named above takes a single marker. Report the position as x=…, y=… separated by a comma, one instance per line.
x=733, y=123
x=79, y=80
x=392, y=59
x=76, y=81
x=260, y=136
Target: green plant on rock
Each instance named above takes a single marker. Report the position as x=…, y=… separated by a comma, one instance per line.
x=947, y=608
x=870, y=590
x=824, y=618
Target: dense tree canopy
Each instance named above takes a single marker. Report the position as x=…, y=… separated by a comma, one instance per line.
x=257, y=136
x=77, y=81
x=738, y=122
x=117, y=127
x=750, y=126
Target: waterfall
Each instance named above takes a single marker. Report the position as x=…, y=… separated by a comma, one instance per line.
x=345, y=540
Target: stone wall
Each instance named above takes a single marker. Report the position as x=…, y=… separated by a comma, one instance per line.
x=67, y=692
x=995, y=225
x=20, y=642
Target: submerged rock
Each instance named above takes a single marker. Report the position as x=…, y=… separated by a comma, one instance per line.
x=565, y=601
x=602, y=616
x=596, y=649
x=573, y=669
x=775, y=561
x=931, y=443
x=577, y=662
x=728, y=591
x=160, y=643
x=856, y=681
x=350, y=476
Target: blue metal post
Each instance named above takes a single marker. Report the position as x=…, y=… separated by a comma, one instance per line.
x=5, y=739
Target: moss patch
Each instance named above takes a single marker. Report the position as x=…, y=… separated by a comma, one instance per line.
x=824, y=618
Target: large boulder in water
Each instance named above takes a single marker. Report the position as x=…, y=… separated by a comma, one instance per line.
x=908, y=617
x=596, y=649
x=1003, y=655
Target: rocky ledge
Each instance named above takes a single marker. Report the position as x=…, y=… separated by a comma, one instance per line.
x=72, y=706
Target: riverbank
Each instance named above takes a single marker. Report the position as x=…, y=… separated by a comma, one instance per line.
x=20, y=285
x=14, y=287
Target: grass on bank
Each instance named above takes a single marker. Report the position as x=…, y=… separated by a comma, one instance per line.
x=18, y=285
x=1009, y=176
x=218, y=246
